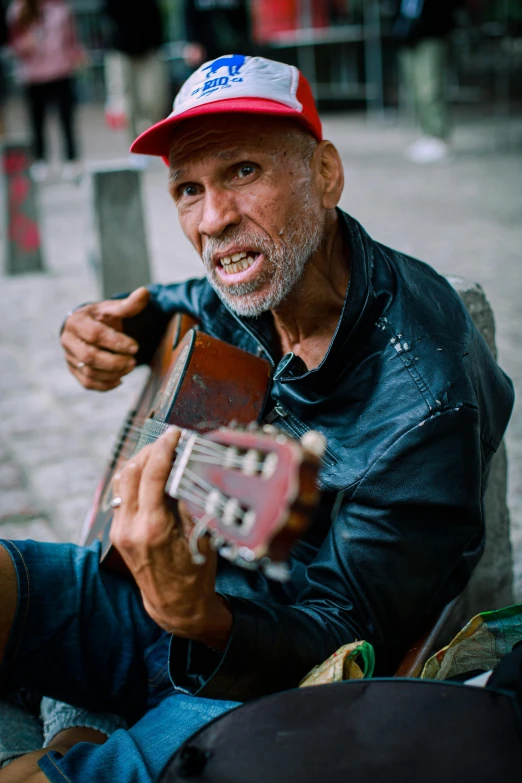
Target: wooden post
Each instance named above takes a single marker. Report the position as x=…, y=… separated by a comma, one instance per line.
x=119, y=254
x=23, y=247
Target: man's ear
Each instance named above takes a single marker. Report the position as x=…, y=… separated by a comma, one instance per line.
x=330, y=171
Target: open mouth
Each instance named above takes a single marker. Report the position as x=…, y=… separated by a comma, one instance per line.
x=238, y=262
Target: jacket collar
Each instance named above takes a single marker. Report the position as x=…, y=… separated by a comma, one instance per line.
x=355, y=311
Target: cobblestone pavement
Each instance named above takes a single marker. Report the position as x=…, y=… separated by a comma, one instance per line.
x=462, y=216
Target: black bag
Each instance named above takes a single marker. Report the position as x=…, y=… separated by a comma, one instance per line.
x=362, y=731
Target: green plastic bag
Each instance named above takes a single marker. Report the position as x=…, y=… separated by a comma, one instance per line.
x=350, y=662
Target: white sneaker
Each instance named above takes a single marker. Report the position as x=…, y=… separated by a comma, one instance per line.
x=72, y=171
x=39, y=171
x=427, y=149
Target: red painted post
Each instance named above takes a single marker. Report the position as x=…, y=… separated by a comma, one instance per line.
x=23, y=248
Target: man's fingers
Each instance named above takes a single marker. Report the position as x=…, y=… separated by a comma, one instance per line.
x=124, y=308
x=157, y=470
x=77, y=351
x=125, y=487
x=83, y=325
x=88, y=373
x=92, y=384
x=128, y=486
x=97, y=350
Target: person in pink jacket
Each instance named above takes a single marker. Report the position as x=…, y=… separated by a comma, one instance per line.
x=43, y=36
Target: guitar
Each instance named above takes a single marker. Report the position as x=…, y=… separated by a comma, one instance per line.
x=252, y=489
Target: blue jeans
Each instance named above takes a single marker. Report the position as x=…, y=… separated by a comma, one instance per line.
x=81, y=635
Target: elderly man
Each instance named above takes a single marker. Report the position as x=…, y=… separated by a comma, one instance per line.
x=369, y=347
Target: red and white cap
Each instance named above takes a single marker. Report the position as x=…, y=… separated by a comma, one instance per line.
x=236, y=83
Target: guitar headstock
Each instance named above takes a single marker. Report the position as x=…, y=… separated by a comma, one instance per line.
x=252, y=490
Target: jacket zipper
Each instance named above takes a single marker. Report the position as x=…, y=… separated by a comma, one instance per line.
x=287, y=421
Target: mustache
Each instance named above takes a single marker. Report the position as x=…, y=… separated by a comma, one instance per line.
x=246, y=239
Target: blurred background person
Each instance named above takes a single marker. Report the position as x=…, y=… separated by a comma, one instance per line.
x=3, y=42
x=214, y=28
x=421, y=28
x=43, y=36
x=136, y=77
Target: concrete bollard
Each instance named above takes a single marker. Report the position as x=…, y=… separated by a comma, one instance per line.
x=491, y=585
x=119, y=253
x=23, y=247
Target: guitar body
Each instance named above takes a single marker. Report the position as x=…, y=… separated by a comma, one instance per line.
x=196, y=382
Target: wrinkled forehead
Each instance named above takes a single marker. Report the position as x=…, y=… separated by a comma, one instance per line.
x=224, y=137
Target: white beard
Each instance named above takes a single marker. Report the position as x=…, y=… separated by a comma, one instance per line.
x=283, y=267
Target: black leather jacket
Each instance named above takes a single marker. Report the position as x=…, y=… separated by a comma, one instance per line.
x=413, y=406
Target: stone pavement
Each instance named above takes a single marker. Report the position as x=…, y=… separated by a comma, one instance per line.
x=462, y=216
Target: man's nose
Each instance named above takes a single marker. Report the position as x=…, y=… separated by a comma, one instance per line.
x=220, y=211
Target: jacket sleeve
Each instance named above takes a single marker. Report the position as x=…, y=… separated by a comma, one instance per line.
x=404, y=543
x=148, y=327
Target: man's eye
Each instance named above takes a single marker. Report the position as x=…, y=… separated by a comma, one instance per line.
x=187, y=191
x=245, y=170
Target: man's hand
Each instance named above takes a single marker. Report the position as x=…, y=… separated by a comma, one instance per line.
x=97, y=351
x=26, y=770
x=153, y=541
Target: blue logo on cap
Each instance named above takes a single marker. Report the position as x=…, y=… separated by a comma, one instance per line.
x=234, y=63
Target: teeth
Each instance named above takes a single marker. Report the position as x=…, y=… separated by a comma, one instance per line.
x=233, y=258
x=232, y=268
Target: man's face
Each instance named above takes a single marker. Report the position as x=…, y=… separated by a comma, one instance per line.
x=246, y=199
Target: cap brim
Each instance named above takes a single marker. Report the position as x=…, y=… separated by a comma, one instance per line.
x=157, y=139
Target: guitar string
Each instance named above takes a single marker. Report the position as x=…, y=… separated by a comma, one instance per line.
x=197, y=481
x=187, y=491
x=138, y=430
x=210, y=446
x=201, y=448
x=203, y=456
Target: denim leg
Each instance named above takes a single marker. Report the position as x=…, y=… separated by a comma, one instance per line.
x=140, y=754
x=80, y=633
x=57, y=717
x=20, y=731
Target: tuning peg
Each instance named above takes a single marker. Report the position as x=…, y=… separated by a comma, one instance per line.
x=279, y=572
x=252, y=426
x=269, y=429
x=233, y=425
x=216, y=541
x=246, y=554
